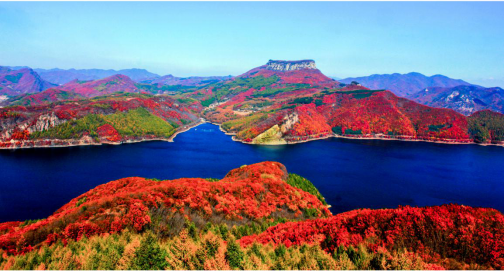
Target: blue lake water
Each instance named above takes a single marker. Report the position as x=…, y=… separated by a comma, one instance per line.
x=349, y=173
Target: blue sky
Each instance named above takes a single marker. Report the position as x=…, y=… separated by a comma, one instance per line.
x=463, y=40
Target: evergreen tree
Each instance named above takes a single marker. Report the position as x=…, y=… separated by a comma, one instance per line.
x=149, y=256
x=234, y=255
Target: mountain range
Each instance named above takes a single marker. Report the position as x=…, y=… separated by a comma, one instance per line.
x=63, y=76
x=405, y=84
x=257, y=216
x=282, y=102
x=193, y=81
x=465, y=99
x=22, y=81
x=414, y=86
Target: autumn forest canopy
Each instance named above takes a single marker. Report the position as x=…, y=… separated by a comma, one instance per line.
x=258, y=216
x=277, y=103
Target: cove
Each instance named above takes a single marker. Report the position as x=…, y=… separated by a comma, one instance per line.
x=349, y=173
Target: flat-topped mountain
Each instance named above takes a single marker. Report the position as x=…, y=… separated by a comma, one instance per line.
x=292, y=72
x=284, y=65
x=405, y=84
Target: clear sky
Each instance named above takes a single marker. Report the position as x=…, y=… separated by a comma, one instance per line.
x=463, y=40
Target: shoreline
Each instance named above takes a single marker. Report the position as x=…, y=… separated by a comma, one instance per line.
x=233, y=137
x=169, y=139
x=186, y=128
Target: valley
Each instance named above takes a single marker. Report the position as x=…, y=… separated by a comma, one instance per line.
x=234, y=220
x=251, y=135
x=282, y=102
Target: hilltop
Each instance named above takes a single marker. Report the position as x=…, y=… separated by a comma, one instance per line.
x=257, y=217
x=108, y=85
x=246, y=195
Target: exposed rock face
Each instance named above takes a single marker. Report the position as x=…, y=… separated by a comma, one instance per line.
x=281, y=65
x=45, y=122
x=275, y=134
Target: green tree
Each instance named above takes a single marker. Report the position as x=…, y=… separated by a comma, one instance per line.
x=234, y=255
x=150, y=256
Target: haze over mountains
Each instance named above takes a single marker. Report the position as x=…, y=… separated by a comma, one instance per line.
x=405, y=84
x=436, y=91
x=22, y=81
x=63, y=76
x=171, y=80
x=444, y=92
x=463, y=99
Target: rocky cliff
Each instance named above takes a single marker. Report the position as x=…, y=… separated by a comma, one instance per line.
x=281, y=65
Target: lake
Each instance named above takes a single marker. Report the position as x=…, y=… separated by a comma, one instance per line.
x=349, y=173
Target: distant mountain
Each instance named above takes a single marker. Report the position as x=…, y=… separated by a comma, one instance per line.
x=405, y=84
x=60, y=76
x=22, y=81
x=463, y=99
x=192, y=81
x=109, y=85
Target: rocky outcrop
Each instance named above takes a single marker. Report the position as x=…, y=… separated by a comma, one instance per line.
x=275, y=134
x=45, y=122
x=281, y=65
